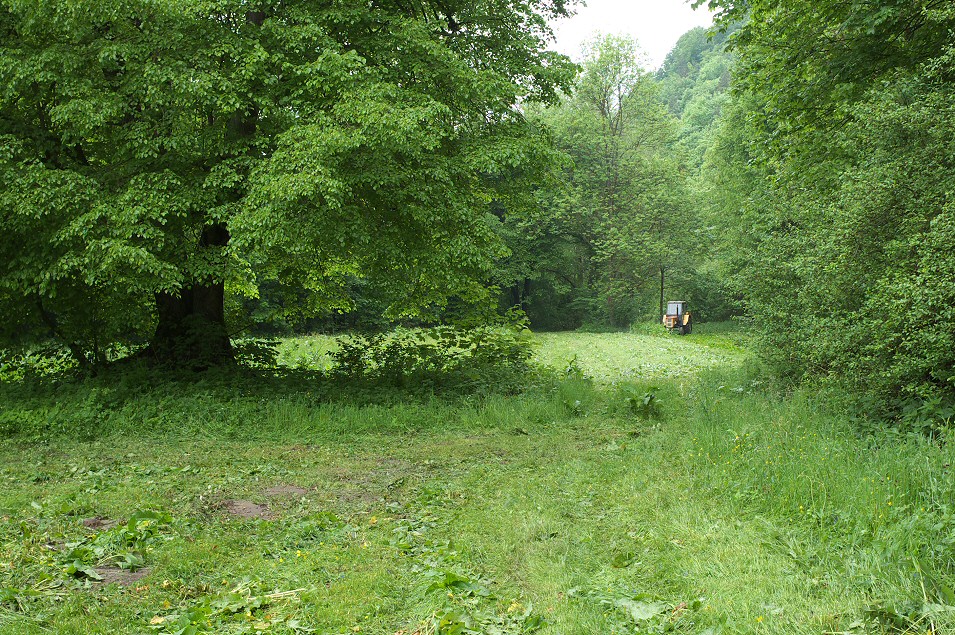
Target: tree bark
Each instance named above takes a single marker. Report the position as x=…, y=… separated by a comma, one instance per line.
x=191, y=328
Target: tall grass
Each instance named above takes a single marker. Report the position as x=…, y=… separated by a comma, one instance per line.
x=865, y=510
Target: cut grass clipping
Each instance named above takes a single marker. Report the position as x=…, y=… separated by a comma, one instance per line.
x=629, y=494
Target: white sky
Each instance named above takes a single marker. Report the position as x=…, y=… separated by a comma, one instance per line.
x=656, y=24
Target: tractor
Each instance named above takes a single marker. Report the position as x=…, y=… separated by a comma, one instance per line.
x=677, y=319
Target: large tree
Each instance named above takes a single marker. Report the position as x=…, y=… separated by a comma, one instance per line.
x=155, y=155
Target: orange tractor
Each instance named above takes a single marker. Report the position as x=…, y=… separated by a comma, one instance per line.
x=677, y=319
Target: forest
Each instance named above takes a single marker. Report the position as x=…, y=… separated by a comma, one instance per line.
x=320, y=316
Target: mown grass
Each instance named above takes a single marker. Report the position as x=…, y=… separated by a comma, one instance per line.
x=660, y=496
x=647, y=353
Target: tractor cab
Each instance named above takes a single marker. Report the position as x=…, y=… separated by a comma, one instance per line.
x=677, y=318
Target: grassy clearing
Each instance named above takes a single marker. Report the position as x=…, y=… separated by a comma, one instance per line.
x=690, y=502
x=649, y=353
x=646, y=353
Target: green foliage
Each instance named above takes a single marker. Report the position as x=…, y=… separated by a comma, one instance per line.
x=124, y=546
x=234, y=611
x=34, y=363
x=155, y=157
x=644, y=404
x=593, y=252
x=831, y=190
x=441, y=357
x=694, y=82
x=87, y=559
x=259, y=354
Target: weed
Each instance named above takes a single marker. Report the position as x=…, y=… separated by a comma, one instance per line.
x=645, y=404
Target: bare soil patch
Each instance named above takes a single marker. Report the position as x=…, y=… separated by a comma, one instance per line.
x=244, y=509
x=99, y=522
x=122, y=577
x=371, y=482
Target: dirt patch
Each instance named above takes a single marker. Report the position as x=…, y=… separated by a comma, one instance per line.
x=283, y=491
x=244, y=509
x=372, y=481
x=99, y=523
x=122, y=577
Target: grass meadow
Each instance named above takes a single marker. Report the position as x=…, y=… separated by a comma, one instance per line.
x=642, y=483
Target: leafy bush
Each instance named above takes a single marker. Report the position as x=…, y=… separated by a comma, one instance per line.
x=256, y=353
x=44, y=362
x=645, y=404
x=834, y=205
x=485, y=357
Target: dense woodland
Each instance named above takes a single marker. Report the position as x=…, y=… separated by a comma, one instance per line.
x=176, y=177
x=830, y=181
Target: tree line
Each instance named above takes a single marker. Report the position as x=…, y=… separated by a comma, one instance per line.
x=626, y=215
x=177, y=175
x=831, y=181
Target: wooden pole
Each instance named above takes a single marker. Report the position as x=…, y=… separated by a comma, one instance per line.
x=662, y=310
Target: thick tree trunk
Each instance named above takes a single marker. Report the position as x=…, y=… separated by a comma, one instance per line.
x=191, y=328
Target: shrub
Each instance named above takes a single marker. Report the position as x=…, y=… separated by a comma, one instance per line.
x=41, y=362
x=447, y=357
x=256, y=353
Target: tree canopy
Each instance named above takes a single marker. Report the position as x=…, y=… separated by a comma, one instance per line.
x=156, y=154
x=621, y=213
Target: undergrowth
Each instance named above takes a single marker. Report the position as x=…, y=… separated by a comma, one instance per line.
x=44, y=395
x=704, y=503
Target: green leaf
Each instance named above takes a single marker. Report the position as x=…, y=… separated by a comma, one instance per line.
x=641, y=611
x=77, y=568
